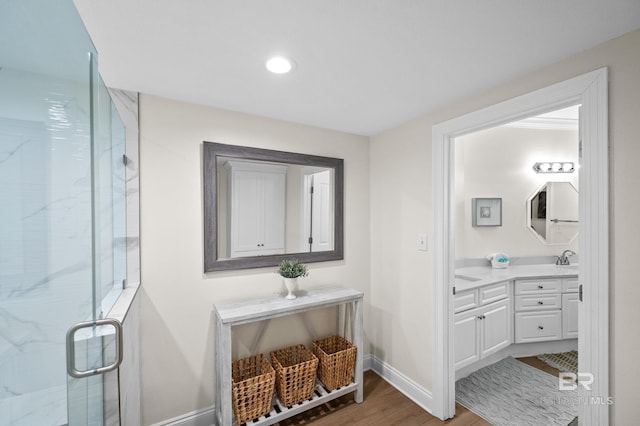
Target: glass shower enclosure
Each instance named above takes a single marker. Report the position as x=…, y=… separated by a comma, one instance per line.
x=62, y=218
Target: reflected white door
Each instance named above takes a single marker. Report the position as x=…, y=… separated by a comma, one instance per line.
x=318, y=211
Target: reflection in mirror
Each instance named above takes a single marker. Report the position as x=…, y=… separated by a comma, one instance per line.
x=267, y=208
x=552, y=213
x=263, y=206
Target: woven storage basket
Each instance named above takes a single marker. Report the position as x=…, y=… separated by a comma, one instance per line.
x=252, y=380
x=337, y=357
x=295, y=374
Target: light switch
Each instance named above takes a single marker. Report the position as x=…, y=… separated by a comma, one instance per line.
x=422, y=242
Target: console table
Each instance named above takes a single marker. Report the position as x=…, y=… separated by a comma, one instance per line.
x=228, y=314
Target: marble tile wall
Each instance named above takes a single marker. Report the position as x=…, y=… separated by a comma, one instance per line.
x=127, y=307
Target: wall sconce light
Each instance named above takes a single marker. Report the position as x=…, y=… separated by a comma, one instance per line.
x=554, y=167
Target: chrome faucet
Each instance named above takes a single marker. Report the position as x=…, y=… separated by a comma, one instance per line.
x=564, y=258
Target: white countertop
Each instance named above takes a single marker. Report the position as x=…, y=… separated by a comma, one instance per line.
x=471, y=277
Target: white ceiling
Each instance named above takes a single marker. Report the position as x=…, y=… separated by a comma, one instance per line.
x=363, y=66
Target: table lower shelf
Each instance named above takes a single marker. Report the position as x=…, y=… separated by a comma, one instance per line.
x=319, y=397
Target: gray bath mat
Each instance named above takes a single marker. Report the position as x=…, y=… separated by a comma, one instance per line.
x=510, y=393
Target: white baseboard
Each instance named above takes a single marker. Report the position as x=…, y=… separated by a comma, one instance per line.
x=408, y=387
x=419, y=395
x=202, y=417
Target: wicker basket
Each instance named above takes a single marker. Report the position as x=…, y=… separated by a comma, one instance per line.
x=252, y=382
x=295, y=374
x=337, y=358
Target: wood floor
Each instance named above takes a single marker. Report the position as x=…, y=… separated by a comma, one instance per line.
x=384, y=405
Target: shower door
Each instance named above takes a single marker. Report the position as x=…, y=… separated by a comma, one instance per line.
x=62, y=219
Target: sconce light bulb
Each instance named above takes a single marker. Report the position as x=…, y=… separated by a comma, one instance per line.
x=544, y=167
x=556, y=167
x=567, y=167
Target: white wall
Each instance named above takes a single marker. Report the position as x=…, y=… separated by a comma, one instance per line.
x=498, y=162
x=177, y=297
x=401, y=193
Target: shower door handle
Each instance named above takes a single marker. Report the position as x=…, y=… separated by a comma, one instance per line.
x=71, y=348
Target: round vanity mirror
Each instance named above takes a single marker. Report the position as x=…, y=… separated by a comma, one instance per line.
x=552, y=213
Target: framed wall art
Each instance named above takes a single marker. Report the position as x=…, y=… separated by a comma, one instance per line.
x=486, y=211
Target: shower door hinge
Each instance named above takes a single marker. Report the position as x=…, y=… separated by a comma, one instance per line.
x=310, y=240
x=125, y=160
x=124, y=283
x=580, y=292
x=454, y=291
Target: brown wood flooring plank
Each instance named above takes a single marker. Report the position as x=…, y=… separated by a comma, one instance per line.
x=383, y=405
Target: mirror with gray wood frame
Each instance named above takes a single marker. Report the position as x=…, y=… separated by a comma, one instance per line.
x=263, y=206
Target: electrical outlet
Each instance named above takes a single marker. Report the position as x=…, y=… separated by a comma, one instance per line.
x=422, y=242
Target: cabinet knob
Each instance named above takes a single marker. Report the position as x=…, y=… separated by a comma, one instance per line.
x=540, y=327
x=540, y=287
x=540, y=302
x=479, y=316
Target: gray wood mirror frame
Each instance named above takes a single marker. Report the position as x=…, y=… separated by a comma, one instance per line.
x=218, y=159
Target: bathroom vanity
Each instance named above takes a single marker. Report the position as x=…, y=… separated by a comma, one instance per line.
x=519, y=311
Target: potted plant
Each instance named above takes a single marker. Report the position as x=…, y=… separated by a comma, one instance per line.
x=290, y=270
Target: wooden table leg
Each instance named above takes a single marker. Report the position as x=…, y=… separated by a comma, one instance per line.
x=223, y=374
x=358, y=340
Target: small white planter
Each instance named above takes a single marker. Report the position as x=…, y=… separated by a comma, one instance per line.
x=292, y=285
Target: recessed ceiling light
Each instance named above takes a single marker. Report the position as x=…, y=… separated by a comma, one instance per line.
x=279, y=65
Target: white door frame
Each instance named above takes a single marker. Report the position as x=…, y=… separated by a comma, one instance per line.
x=589, y=90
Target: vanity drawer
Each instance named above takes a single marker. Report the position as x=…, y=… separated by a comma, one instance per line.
x=538, y=326
x=536, y=286
x=570, y=285
x=543, y=301
x=493, y=293
x=465, y=300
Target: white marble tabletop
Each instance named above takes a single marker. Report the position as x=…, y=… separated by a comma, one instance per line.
x=471, y=277
x=248, y=310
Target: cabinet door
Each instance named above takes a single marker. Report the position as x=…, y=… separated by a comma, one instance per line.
x=570, y=305
x=257, y=210
x=273, y=193
x=495, y=327
x=246, y=209
x=467, y=345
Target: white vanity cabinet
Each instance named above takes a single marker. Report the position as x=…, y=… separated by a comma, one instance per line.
x=257, y=205
x=545, y=309
x=482, y=322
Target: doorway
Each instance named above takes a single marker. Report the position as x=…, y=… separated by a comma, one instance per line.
x=589, y=90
